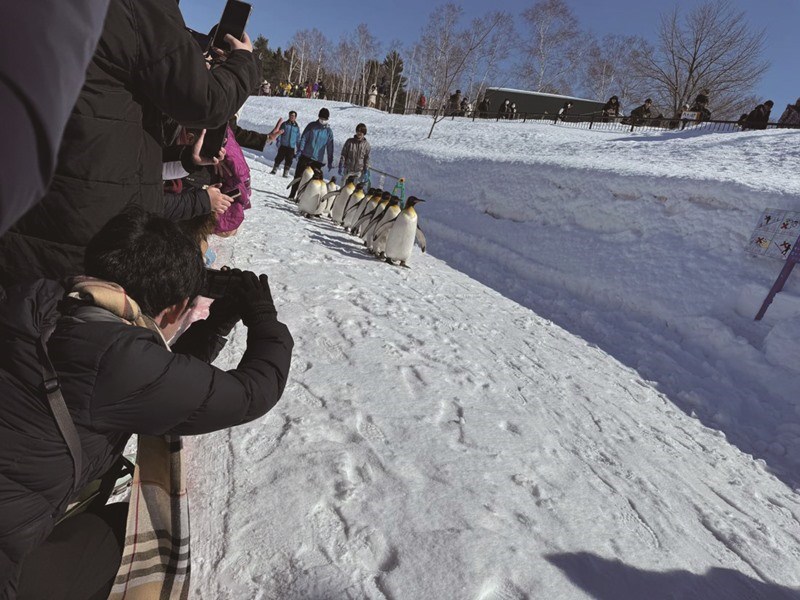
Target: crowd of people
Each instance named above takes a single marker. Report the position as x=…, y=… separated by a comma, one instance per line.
x=105, y=231
x=287, y=89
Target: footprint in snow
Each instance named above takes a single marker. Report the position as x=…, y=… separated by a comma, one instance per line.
x=501, y=589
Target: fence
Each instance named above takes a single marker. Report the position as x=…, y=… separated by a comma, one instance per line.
x=586, y=121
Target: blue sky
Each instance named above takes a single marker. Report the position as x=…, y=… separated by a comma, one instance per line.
x=278, y=21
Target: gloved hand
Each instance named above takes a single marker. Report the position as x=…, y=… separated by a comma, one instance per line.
x=225, y=312
x=255, y=298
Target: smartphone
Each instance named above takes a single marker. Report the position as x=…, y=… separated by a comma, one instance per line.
x=234, y=193
x=214, y=141
x=233, y=21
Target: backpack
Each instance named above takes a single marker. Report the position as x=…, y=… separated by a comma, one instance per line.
x=236, y=174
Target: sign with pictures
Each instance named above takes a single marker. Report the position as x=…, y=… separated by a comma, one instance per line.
x=775, y=234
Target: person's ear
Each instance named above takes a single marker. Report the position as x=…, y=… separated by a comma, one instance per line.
x=171, y=314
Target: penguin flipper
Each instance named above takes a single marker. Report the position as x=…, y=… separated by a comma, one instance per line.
x=293, y=182
x=383, y=227
x=421, y=239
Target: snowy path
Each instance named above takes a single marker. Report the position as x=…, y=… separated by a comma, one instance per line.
x=437, y=440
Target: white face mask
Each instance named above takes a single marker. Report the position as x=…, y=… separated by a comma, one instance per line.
x=323, y=121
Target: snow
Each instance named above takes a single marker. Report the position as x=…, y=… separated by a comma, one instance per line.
x=566, y=398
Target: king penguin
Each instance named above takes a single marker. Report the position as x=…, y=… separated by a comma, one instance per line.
x=303, y=180
x=376, y=239
x=309, y=202
x=405, y=229
x=340, y=202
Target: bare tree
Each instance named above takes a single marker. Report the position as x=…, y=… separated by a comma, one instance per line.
x=444, y=51
x=552, y=47
x=368, y=47
x=497, y=49
x=712, y=49
x=609, y=68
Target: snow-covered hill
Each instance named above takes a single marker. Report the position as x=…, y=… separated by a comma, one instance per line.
x=444, y=439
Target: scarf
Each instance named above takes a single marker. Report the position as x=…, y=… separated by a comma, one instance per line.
x=155, y=558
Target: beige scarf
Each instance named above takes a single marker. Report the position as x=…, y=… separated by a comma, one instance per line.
x=155, y=559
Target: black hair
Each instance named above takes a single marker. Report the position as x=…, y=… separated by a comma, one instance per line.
x=291, y=112
x=156, y=263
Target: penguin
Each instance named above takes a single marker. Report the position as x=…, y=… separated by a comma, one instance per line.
x=370, y=221
x=354, y=206
x=303, y=180
x=404, y=230
x=367, y=210
x=339, y=203
x=327, y=199
x=309, y=202
x=376, y=240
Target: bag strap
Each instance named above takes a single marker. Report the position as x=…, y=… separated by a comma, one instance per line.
x=59, y=407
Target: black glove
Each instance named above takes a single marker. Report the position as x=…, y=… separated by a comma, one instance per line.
x=255, y=299
x=224, y=314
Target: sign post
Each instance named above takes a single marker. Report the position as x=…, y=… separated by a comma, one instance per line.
x=791, y=261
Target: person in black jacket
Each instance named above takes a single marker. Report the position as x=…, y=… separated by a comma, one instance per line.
x=640, y=113
x=759, y=116
x=146, y=65
x=36, y=104
x=611, y=108
x=117, y=376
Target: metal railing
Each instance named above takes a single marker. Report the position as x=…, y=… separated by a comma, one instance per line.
x=584, y=121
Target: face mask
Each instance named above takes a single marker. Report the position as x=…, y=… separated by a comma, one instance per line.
x=323, y=121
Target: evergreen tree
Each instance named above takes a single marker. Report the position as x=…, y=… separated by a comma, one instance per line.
x=392, y=69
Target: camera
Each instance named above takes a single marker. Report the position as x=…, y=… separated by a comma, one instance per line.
x=220, y=283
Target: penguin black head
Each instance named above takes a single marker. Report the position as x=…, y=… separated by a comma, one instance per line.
x=333, y=179
x=317, y=174
x=394, y=201
x=386, y=195
x=412, y=200
x=350, y=179
x=370, y=192
x=360, y=186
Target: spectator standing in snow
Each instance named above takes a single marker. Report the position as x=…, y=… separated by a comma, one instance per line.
x=372, y=100
x=264, y=89
x=315, y=143
x=504, y=112
x=117, y=376
x=422, y=102
x=455, y=103
x=564, y=110
x=640, y=113
x=321, y=90
x=288, y=144
x=700, y=106
x=791, y=116
x=759, y=116
x=146, y=65
x=483, y=108
x=611, y=108
x=513, y=111
x=355, y=153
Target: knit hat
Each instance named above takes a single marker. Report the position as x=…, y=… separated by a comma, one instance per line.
x=324, y=114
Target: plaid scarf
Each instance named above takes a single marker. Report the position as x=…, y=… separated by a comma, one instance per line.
x=155, y=559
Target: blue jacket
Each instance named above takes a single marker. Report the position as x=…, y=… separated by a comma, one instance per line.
x=315, y=141
x=290, y=136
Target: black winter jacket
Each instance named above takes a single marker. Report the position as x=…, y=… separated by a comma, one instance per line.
x=758, y=117
x=117, y=379
x=146, y=64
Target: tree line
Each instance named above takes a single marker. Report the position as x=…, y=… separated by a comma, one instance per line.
x=709, y=49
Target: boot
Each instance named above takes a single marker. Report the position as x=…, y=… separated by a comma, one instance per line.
x=286, y=172
x=274, y=170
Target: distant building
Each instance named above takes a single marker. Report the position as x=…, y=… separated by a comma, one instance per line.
x=540, y=103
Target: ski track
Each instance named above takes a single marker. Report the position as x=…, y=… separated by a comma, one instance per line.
x=436, y=436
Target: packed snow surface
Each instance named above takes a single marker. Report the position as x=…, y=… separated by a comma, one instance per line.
x=566, y=398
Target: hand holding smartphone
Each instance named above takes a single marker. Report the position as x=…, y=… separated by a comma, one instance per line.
x=233, y=22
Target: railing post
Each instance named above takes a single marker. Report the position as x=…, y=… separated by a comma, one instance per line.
x=591, y=121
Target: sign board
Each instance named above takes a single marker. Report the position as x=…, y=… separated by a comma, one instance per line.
x=775, y=234
x=688, y=115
